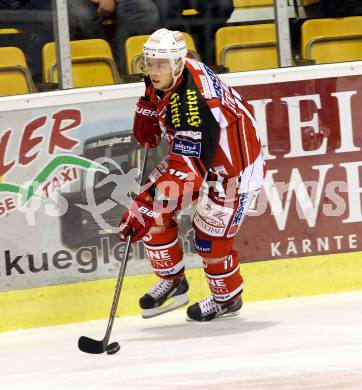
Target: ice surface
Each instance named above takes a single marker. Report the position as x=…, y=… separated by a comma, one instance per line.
x=291, y=344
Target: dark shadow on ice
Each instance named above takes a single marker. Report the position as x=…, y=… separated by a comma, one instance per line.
x=191, y=330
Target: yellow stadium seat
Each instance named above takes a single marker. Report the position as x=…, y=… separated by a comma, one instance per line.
x=305, y=3
x=332, y=40
x=189, y=12
x=249, y=47
x=10, y=31
x=134, y=47
x=15, y=77
x=252, y=3
x=92, y=63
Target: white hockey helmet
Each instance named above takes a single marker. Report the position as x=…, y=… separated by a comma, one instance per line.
x=167, y=44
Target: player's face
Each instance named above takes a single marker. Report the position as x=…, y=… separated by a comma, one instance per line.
x=160, y=72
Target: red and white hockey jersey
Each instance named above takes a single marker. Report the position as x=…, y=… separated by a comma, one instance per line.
x=210, y=129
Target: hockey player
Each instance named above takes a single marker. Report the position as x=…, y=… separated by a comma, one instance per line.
x=214, y=159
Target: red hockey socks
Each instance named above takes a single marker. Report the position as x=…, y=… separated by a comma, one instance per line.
x=164, y=251
x=224, y=278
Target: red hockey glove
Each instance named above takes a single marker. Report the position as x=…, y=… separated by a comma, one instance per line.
x=145, y=126
x=138, y=220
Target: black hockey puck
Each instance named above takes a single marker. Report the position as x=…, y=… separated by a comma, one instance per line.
x=113, y=348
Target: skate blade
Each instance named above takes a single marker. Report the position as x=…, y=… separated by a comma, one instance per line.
x=226, y=315
x=176, y=302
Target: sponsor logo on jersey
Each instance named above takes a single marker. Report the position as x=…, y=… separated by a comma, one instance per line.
x=189, y=134
x=201, y=245
x=239, y=216
x=194, y=63
x=229, y=101
x=186, y=148
x=205, y=87
x=175, y=110
x=212, y=218
x=214, y=82
x=192, y=114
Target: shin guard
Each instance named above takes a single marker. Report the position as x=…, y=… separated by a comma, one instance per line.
x=224, y=278
x=164, y=251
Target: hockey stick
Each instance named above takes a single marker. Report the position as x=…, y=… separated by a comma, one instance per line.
x=89, y=345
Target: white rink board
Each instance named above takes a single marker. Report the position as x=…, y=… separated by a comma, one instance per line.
x=292, y=344
x=134, y=90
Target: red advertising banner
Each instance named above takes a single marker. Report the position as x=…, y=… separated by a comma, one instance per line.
x=311, y=200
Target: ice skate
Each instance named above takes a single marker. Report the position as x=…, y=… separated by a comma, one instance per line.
x=167, y=295
x=208, y=309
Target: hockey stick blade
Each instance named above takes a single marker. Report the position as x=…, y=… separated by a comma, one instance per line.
x=89, y=345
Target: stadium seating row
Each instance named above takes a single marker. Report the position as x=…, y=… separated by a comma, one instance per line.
x=238, y=48
x=263, y=3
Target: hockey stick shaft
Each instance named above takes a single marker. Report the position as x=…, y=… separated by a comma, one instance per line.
x=90, y=345
x=122, y=270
